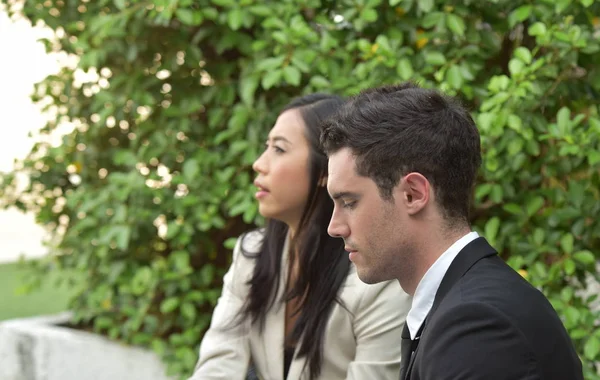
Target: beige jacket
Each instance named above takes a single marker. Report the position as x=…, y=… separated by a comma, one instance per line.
x=362, y=344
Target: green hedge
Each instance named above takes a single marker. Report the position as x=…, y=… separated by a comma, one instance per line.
x=186, y=91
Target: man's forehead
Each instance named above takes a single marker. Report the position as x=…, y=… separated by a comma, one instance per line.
x=342, y=161
x=341, y=168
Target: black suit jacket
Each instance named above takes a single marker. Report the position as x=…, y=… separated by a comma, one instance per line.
x=489, y=323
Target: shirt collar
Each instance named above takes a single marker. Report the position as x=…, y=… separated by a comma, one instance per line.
x=429, y=284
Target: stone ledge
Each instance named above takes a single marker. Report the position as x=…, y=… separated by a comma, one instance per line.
x=38, y=349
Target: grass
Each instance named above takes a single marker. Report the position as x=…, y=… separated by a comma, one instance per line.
x=47, y=299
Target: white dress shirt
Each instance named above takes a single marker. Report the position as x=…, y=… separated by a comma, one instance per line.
x=429, y=284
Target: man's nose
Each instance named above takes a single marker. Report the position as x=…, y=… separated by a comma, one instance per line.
x=336, y=227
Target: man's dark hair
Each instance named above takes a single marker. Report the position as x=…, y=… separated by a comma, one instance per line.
x=399, y=129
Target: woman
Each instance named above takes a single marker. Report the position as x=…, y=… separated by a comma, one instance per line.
x=292, y=305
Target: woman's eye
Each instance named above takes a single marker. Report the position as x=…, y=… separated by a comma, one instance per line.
x=278, y=149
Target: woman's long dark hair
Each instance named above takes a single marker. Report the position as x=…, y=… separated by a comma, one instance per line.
x=323, y=263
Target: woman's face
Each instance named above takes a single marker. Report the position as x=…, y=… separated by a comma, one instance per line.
x=283, y=179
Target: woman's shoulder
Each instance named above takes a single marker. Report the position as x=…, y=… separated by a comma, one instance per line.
x=249, y=243
x=358, y=294
x=243, y=262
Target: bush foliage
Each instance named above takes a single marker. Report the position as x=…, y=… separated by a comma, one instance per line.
x=147, y=191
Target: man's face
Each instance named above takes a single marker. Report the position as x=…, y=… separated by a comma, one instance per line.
x=373, y=228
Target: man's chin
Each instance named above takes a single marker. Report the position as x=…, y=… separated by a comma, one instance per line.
x=367, y=278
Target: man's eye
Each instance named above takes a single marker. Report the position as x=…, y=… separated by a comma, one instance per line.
x=349, y=204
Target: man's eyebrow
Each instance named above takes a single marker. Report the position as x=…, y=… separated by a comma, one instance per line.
x=343, y=194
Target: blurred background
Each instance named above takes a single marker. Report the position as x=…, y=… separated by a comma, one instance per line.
x=24, y=63
x=134, y=125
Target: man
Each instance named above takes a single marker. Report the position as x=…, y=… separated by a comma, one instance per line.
x=402, y=167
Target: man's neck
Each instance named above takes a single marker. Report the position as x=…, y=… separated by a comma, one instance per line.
x=432, y=247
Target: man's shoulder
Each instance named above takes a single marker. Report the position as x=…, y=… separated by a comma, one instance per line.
x=504, y=295
x=491, y=281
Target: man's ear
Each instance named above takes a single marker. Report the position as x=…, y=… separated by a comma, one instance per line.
x=415, y=192
x=323, y=181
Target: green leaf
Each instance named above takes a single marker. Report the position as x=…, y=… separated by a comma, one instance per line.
x=561, y=5
x=569, y=266
x=499, y=83
x=566, y=294
x=319, y=81
x=425, y=5
x=585, y=257
x=230, y=243
x=482, y=190
x=485, y=120
x=260, y=10
x=207, y=274
x=523, y=54
x=435, y=58
x=513, y=208
x=534, y=205
x=593, y=157
x=405, y=69
x=235, y=17
x=519, y=15
x=514, y=122
x=271, y=78
x=491, y=229
x=454, y=77
x=188, y=311
x=188, y=16
x=239, y=119
x=292, y=75
x=120, y=4
x=563, y=120
x=587, y=3
x=572, y=316
x=122, y=237
x=224, y=3
x=455, y=24
x=169, y=305
x=191, y=168
x=248, y=86
x=141, y=281
x=538, y=236
x=125, y=157
x=173, y=229
x=432, y=19
x=515, y=66
x=566, y=243
x=369, y=15
x=537, y=29
x=280, y=37
x=271, y=63
x=578, y=333
x=592, y=348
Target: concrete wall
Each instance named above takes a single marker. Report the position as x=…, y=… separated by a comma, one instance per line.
x=36, y=349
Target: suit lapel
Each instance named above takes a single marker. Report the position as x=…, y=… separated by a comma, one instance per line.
x=466, y=258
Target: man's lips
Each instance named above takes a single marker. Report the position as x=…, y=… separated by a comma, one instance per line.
x=352, y=252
